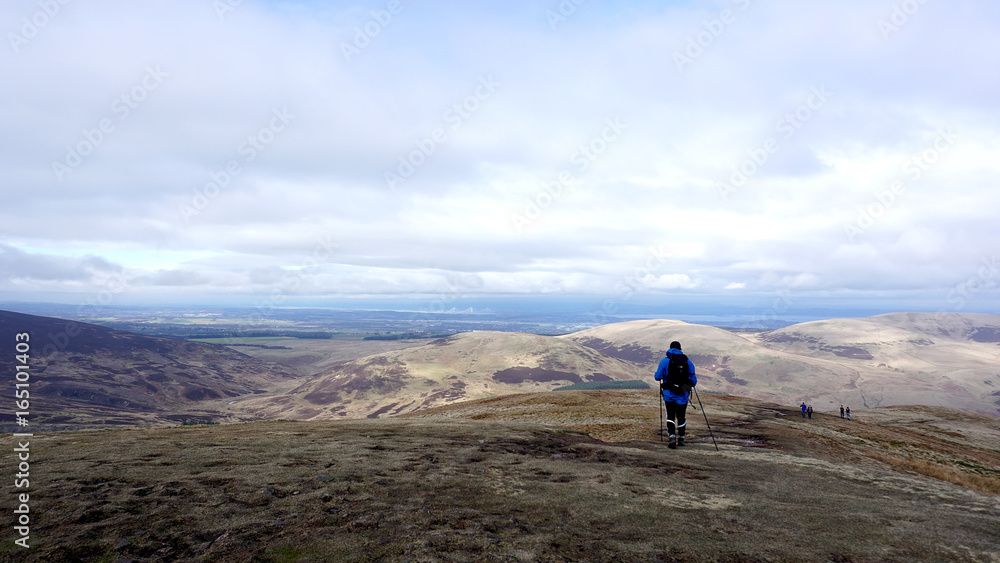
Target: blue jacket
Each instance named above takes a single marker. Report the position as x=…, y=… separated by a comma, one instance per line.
x=661, y=372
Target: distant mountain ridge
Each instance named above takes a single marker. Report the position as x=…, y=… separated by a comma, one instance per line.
x=88, y=374
x=85, y=374
x=835, y=368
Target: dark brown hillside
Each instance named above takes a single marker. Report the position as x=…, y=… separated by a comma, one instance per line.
x=84, y=374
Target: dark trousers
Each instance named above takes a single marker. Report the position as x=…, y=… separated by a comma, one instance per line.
x=680, y=413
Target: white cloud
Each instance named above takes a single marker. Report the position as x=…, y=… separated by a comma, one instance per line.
x=529, y=137
x=669, y=281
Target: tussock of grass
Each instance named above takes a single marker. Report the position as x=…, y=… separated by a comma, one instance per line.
x=983, y=483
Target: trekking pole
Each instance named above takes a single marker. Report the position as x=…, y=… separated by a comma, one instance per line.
x=659, y=399
x=706, y=418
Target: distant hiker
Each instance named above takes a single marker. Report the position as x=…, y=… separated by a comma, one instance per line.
x=809, y=411
x=803, y=407
x=676, y=376
x=848, y=413
x=841, y=411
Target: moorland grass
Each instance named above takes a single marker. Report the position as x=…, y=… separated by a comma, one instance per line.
x=466, y=490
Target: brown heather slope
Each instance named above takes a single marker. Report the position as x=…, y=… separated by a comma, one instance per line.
x=957, y=353
x=827, y=363
x=464, y=366
x=89, y=375
x=309, y=357
x=513, y=487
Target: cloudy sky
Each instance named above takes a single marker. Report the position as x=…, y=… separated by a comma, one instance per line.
x=163, y=151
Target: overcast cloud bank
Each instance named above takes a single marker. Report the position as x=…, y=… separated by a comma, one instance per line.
x=620, y=149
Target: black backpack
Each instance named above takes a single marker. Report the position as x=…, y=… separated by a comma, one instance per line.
x=678, y=378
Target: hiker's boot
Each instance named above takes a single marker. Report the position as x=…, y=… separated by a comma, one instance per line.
x=672, y=443
x=680, y=440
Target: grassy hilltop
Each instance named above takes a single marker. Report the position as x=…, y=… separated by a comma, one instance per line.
x=569, y=476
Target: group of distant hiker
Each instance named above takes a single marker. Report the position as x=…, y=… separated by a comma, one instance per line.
x=807, y=410
x=677, y=380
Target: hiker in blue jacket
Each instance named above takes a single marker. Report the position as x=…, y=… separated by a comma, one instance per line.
x=675, y=398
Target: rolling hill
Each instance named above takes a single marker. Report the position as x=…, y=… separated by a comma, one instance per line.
x=85, y=374
x=464, y=366
x=90, y=375
x=830, y=363
x=482, y=463
x=957, y=354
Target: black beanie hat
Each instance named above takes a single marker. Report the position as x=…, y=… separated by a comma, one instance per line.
x=675, y=344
